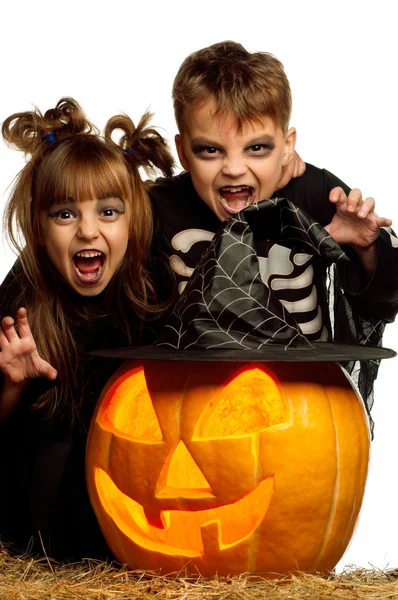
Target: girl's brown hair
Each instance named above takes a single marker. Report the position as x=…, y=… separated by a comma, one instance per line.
x=68, y=159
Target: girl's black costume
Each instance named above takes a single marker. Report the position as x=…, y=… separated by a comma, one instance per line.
x=42, y=469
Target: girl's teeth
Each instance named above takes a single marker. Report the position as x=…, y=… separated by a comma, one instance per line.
x=88, y=254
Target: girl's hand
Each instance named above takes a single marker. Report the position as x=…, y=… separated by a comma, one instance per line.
x=19, y=359
x=356, y=224
x=295, y=168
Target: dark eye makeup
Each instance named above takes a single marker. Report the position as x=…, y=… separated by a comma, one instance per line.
x=205, y=150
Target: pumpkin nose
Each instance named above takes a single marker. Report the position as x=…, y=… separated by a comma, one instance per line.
x=183, y=473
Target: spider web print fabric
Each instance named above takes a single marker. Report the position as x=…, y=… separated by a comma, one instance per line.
x=226, y=304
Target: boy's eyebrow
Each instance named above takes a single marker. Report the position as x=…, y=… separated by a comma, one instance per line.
x=262, y=139
x=203, y=141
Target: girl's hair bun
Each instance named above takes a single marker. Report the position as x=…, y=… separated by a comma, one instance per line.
x=29, y=131
x=143, y=145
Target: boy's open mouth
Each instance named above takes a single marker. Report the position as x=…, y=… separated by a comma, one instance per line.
x=236, y=197
x=89, y=266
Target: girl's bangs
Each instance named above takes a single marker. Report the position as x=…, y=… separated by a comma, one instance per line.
x=99, y=173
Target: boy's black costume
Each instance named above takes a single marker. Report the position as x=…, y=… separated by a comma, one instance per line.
x=336, y=304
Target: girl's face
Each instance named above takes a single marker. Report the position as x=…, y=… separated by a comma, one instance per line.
x=86, y=241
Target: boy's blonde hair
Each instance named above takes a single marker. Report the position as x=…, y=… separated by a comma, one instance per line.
x=248, y=85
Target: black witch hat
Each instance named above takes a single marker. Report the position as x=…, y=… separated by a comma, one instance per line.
x=227, y=313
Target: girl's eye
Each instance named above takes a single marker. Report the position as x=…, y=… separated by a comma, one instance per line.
x=63, y=215
x=111, y=213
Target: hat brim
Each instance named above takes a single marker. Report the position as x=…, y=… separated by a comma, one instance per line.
x=318, y=352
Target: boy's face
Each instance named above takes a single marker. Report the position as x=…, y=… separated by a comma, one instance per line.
x=232, y=170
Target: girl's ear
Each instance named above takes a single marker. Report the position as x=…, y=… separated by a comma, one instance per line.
x=290, y=144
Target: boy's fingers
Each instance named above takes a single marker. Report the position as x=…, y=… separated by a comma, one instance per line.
x=382, y=222
x=367, y=207
x=337, y=194
x=354, y=200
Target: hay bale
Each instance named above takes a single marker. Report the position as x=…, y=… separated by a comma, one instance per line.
x=23, y=577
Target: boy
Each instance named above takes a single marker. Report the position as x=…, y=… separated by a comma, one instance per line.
x=232, y=109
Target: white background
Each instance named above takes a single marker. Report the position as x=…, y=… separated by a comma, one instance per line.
x=341, y=59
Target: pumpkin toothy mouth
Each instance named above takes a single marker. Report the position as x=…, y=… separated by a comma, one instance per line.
x=207, y=534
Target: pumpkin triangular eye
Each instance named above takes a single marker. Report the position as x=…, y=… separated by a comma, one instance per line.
x=130, y=410
x=250, y=402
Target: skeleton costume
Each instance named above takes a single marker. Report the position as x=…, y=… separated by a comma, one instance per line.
x=329, y=304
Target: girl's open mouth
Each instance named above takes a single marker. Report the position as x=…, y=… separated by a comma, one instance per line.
x=235, y=198
x=89, y=266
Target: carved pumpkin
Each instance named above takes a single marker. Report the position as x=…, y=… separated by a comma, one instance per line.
x=225, y=468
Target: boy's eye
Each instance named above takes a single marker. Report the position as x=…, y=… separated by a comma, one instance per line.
x=260, y=149
x=206, y=151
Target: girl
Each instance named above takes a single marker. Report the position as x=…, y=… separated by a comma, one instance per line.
x=85, y=279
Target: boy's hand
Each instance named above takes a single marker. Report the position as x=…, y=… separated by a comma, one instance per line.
x=356, y=224
x=294, y=168
x=19, y=359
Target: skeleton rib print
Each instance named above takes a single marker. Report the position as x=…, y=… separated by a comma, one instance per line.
x=220, y=295
x=287, y=272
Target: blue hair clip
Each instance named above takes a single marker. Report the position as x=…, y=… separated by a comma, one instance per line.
x=132, y=153
x=50, y=138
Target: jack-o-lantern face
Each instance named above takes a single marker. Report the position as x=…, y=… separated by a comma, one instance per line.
x=223, y=468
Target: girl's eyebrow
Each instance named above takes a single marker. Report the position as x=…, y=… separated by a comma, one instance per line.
x=62, y=203
x=109, y=197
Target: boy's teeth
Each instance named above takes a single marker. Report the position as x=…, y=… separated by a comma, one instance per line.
x=236, y=198
x=234, y=189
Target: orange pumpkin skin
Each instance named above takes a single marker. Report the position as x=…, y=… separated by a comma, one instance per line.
x=223, y=468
